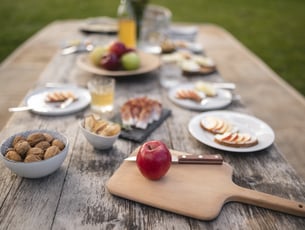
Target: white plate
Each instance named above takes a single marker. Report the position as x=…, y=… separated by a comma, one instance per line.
x=36, y=101
x=100, y=25
x=221, y=100
x=245, y=123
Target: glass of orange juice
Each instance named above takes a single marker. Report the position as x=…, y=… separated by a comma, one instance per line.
x=102, y=94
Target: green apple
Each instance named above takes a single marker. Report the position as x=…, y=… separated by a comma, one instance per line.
x=130, y=61
x=97, y=53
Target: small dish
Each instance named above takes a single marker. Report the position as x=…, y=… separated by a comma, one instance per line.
x=98, y=141
x=36, y=169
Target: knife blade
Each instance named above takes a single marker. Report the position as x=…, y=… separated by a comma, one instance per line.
x=224, y=85
x=191, y=159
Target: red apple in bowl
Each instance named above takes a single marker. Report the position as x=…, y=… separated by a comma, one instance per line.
x=110, y=61
x=154, y=159
x=118, y=48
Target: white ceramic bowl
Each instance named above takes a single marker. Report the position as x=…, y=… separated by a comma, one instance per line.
x=35, y=169
x=98, y=141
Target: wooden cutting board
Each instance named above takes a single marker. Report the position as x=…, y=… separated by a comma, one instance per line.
x=193, y=190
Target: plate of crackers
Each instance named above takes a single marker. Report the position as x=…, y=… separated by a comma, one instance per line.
x=231, y=131
x=200, y=97
x=60, y=100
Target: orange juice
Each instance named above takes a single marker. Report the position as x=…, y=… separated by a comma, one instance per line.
x=102, y=99
x=102, y=94
x=127, y=32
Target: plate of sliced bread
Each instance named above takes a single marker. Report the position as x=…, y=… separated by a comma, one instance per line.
x=231, y=131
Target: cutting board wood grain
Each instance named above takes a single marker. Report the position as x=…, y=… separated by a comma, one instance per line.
x=197, y=191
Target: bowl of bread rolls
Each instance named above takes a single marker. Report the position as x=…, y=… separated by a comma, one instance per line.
x=100, y=133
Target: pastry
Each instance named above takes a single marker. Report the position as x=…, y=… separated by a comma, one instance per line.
x=140, y=112
x=100, y=126
x=167, y=46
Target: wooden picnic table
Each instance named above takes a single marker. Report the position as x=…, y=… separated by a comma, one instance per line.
x=76, y=197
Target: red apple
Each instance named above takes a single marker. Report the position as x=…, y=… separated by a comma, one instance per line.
x=110, y=61
x=118, y=48
x=154, y=159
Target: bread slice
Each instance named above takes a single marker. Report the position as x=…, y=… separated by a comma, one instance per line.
x=236, y=139
x=59, y=96
x=217, y=125
x=189, y=94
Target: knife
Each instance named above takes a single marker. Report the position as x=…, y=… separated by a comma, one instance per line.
x=66, y=103
x=224, y=85
x=191, y=159
x=74, y=49
x=62, y=105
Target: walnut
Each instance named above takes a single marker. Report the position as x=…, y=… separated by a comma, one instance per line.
x=49, y=138
x=17, y=139
x=12, y=155
x=35, y=151
x=35, y=138
x=22, y=147
x=43, y=145
x=51, y=151
x=32, y=158
x=35, y=147
x=10, y=149
x=58, y=143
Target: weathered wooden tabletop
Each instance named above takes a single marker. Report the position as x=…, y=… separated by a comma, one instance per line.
x=75, y=196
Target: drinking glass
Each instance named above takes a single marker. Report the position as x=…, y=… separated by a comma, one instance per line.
x=102, y=94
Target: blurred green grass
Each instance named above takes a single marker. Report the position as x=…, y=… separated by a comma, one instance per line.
x=273, y=30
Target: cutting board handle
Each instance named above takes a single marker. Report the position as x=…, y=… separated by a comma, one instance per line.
x=268, y=201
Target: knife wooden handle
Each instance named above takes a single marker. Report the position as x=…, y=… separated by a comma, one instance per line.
x=200, y=159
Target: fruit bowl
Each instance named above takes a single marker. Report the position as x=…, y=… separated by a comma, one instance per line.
x=36, y=169
x=149, y=62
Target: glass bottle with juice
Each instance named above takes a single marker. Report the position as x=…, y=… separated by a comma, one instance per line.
x=127, y=24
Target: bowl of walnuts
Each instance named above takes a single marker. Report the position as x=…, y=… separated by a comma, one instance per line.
x=34, y=153
x=100, y=133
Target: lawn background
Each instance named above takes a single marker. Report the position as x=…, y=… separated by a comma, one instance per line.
x=273, y=29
